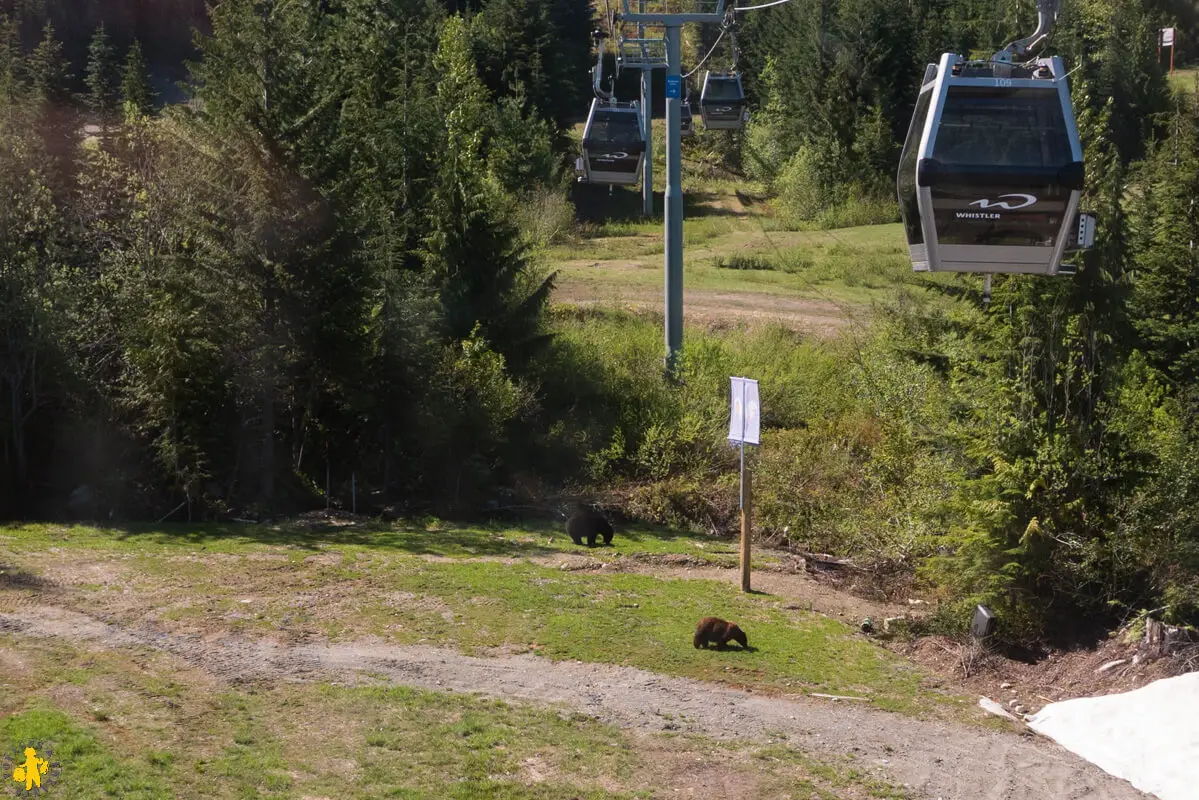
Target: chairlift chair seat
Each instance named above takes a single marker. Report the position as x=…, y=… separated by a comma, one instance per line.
x=722, y=101
x=613, y=143
x=991, y=171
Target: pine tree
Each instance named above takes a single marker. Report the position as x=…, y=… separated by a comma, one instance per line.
x=473, y=250
x=48, y=72
x=101, y=76
x=136, y=94
x=48, y=79
x=10, y=60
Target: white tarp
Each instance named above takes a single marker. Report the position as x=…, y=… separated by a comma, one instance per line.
x=1149, y=737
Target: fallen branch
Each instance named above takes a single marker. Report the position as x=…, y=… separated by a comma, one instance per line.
x=838, y=697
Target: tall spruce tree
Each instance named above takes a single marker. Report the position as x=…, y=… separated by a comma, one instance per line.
x=101, y=77
x=136, y=94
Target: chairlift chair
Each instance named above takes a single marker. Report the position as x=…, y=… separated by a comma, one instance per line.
x=991, y=171
x=722, y=101
x=613, y=143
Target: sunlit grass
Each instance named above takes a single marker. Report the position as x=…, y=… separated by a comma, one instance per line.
x=1184, y=79
x=172, y=733
x=224, y=573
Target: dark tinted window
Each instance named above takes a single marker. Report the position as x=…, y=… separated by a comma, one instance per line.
x=996, y=126
x=722, y=90
x=615, y=127
x=907, y=170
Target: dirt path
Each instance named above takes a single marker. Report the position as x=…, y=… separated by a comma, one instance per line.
x=935, y=759
x=712, y=308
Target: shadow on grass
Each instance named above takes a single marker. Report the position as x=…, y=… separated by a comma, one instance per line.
x=593, y=204
x=496, y=538
x=13, y=578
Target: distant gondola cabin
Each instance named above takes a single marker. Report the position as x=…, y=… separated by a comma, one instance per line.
x=613, y=143
x=722, y=101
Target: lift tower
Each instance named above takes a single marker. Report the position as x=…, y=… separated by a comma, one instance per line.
x=672, y=15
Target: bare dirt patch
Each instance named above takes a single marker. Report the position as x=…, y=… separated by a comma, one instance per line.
x=713, y=309
x=1058, y=676
x=935, y=759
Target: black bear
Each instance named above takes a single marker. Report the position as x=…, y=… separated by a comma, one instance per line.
x=714, y=629
x=587, y=523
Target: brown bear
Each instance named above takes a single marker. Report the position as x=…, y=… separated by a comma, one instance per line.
x=587, y=523
x=714, y=629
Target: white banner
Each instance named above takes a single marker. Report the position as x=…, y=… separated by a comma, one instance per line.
x=745, y=411
x=1167, y=37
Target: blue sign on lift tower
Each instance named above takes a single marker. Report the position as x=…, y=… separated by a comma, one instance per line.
x=674, y=86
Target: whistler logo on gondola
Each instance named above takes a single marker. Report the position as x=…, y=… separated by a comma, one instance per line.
x=977, y=215
x=985, y=203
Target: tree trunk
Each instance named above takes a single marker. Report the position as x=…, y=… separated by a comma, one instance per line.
x=267, y=486
x=266, y=492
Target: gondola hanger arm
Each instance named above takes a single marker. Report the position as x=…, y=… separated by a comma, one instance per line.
x=597, y=72
x=1047, y=11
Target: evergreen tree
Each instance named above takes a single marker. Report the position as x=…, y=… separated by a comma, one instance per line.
x=101, y=76
x=11, y=60
x=48, y=79
x=48, y=72
x=1165, y=225
x=136, y=94
x=541, y=46
x=473, y=251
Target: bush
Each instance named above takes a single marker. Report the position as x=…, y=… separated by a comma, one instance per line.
x=842, y=467
x=860, y=209
x=804, y=189
x=738, y=261
x=545, y=216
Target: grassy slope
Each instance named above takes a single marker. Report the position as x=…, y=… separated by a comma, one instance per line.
x=852, y=265
x=723, y=218
x=141, y=728
x=619, y=258
x=473, y=605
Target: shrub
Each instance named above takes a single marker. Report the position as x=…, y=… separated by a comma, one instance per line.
x=740, y=261
x=545, y=216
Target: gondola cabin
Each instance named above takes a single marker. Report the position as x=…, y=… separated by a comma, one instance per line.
x=991, y=171
x=613, y=143
x=722, y=101
x=685, y=120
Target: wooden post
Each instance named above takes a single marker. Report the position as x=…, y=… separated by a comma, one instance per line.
x=746, y=527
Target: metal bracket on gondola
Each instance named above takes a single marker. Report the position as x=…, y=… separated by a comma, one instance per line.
x=597, y=72
x=1047, y=11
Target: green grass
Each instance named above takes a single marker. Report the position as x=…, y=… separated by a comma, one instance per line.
x=371, y=741
x=430, y=537
x=1184, y=79
x=204, y=573
x=646, y=622
x=853, y=265
x=81, y=767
